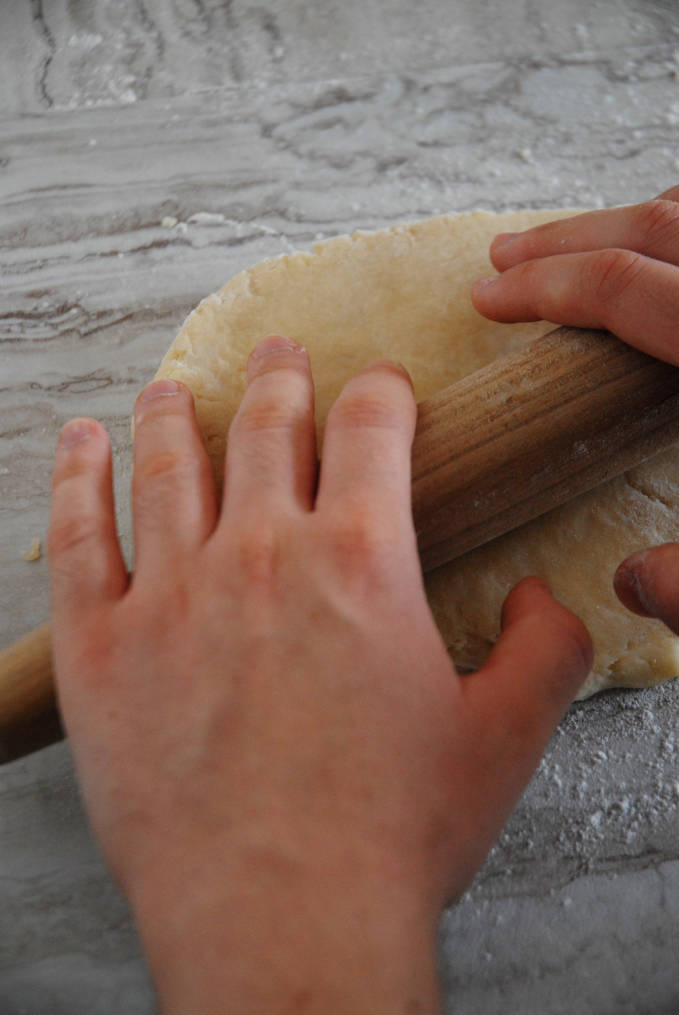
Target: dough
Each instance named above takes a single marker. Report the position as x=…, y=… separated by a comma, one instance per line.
x=403, y=293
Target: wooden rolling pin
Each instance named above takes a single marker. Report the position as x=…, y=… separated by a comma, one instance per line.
x=497, y=449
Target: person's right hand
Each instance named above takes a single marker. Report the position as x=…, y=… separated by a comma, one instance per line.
x=277, y=754
x=616, y=269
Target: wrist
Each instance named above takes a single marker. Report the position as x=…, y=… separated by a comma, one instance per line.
x=268, y=931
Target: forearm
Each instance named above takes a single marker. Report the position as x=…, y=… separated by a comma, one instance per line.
x=277, y=937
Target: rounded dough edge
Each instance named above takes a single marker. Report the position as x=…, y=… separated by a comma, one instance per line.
x=409, y=287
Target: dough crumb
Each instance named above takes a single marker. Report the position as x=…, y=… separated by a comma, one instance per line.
x=34, y=552
x=168, y=222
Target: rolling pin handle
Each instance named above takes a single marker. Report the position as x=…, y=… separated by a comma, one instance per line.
x=29, y=718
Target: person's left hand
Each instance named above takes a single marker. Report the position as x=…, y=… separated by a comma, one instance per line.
x=618, y=270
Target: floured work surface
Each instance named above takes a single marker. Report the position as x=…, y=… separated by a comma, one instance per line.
x=403, y=293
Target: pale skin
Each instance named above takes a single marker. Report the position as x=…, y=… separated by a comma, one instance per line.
x=284, y=771
x=619, y=270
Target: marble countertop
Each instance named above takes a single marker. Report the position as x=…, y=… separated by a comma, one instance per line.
x=260, y=128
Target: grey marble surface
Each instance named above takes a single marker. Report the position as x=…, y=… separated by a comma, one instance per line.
x=259, y=128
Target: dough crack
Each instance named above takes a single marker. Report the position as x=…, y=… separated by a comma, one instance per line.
x=651, y=495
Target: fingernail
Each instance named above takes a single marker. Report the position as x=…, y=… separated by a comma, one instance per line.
x=630, y=574
x=75, y=432
x=271, y=346
x=392, y=365
x=406, y=373
x=482, y=284
x=158, y=389
x=274, y=344
x=543, y=583
x=503, y=240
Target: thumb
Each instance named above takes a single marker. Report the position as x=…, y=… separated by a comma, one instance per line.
x=648, y=584
x=510, y=709
x=527, y=683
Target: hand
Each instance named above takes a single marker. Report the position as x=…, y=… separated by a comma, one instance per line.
x=276, y=753
x=619, y=270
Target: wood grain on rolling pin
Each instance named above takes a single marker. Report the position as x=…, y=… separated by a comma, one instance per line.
x=532, y=431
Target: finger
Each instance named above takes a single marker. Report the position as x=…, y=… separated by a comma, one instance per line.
x=510, y=709
x=669, y=195
x=86, y=566
x=530, y=678
x=271, y=450
x=633, y=296
x=651, y=228
x=367, y=446
x=173, y=493
x=648, y=584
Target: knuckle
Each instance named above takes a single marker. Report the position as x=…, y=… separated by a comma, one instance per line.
x=163, y=466
x=174, y=610
x=96, y=654
x=562, y=650
x=73, y=470
x=269, y=415
x=612, y=273
x=363, y=409
x=659, y=220
x=567, y=630
x=361, y=544
x=71, y=534
x=279, y=400
x=537, y=291
x=259, y=551
x=530, y=275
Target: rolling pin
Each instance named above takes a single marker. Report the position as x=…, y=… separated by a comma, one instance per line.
x=502, y=446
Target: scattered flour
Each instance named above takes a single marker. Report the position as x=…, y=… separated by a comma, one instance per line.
x=207, y=218
x=605, y=797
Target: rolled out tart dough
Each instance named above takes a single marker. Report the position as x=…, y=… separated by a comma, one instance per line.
x=403, y=293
